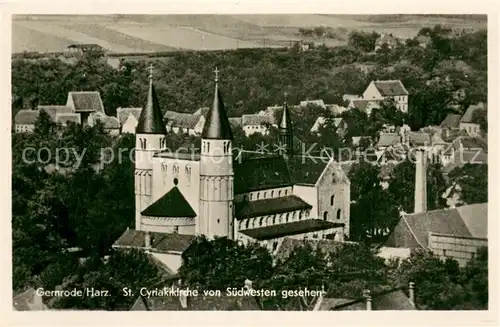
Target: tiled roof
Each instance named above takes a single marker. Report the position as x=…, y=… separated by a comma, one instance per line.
x=468, y=115
x=54, y=110
x=260, y=173
x=470, y=142
x=386, y=38
x=289, y=244
x=160, y=242
x=249, y=209
x=202, y=111
x=475, y=217
x=123, y=114
x=289, y=229
x=197, y=303
x=26, y=117
x=444, y=221
x=87, y=101
x=259, y=120
x=387, y=139
x=28, y=301
x=391, y=88
x=68, y=118
x=451, y=121
x=181, y=119
x=318, y=102
x=304, y=170
x=172, y=204
x=419, y=139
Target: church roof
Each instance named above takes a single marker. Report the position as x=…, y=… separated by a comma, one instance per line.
x=150, y=120
x=172, y=204
x=289, y=229
x=286, y=119
x=304, y=170
x=160, y=242
x=260, y=173
x=217, y=125
x=87, y=101
x=249, y=209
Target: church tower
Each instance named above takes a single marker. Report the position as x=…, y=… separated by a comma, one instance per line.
x=285, y=131
x=150, y=137
x=216, y=172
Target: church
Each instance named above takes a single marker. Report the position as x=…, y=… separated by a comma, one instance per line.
x=218, y=192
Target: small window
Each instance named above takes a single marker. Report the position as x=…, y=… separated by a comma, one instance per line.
x=247, y=223
x=274, y=219
x=272, y=193
x=325, y=215
x=332, y=199
x=286, y=192
x=275, y=245
x=286, y=217
x=218, y=221
x=258, y=194
x=264, y=195
x=300, y=215
x=250, y=196
x=279, y=193
x=338, y=214
x=261, y=220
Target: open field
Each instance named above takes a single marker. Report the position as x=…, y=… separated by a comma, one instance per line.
x=141, y=33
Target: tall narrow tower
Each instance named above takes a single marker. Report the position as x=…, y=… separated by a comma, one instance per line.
x=285, y=131
x=420, y=181
x=150, y=137
x=216, y=172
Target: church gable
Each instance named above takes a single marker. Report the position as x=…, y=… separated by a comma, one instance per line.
x=304, y=170
x=172, y=204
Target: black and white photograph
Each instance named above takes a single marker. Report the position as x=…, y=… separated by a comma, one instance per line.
x=249, y=162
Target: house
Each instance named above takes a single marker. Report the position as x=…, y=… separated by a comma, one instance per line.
x=85, y=103
x=388, y=90
x=467, y=122
x=318, y=103
x=256, y=124
x=25, y=120
x=339, y=124
x=111, y=124
x=28, y=300
x=186, y=300
x=451, y=158
x=184, y=123
x=128, y=118
x=335, y=109
x=365, y=106
x=457, y=233
x=449, y=124
x=419, y=139
x=386, y=39
x=392, y=299
x=350, y=97
x=54, y=110
x=386, y=140
x=235, y=122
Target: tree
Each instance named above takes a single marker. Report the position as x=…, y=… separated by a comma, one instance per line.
x=473, y=182
x=364, y=177
x=402, y=186
x=481, y=117
x=221, y=263
x=363, y=40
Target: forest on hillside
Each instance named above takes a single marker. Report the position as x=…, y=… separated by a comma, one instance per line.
x=252, y=79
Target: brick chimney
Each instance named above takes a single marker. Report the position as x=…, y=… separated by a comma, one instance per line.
x=420, y=181
x=368, y=298
x=411, y=292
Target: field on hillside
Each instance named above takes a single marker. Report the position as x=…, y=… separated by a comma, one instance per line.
x=141, y=33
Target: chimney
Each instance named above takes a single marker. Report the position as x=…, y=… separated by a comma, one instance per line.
x=147, y=240
x=368, y=297
x=183, y=299
x=420, y=181
x=411, y=292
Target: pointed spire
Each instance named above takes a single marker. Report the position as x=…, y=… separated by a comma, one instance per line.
x=150, y=120
x=217, y=124
x=286, y=121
